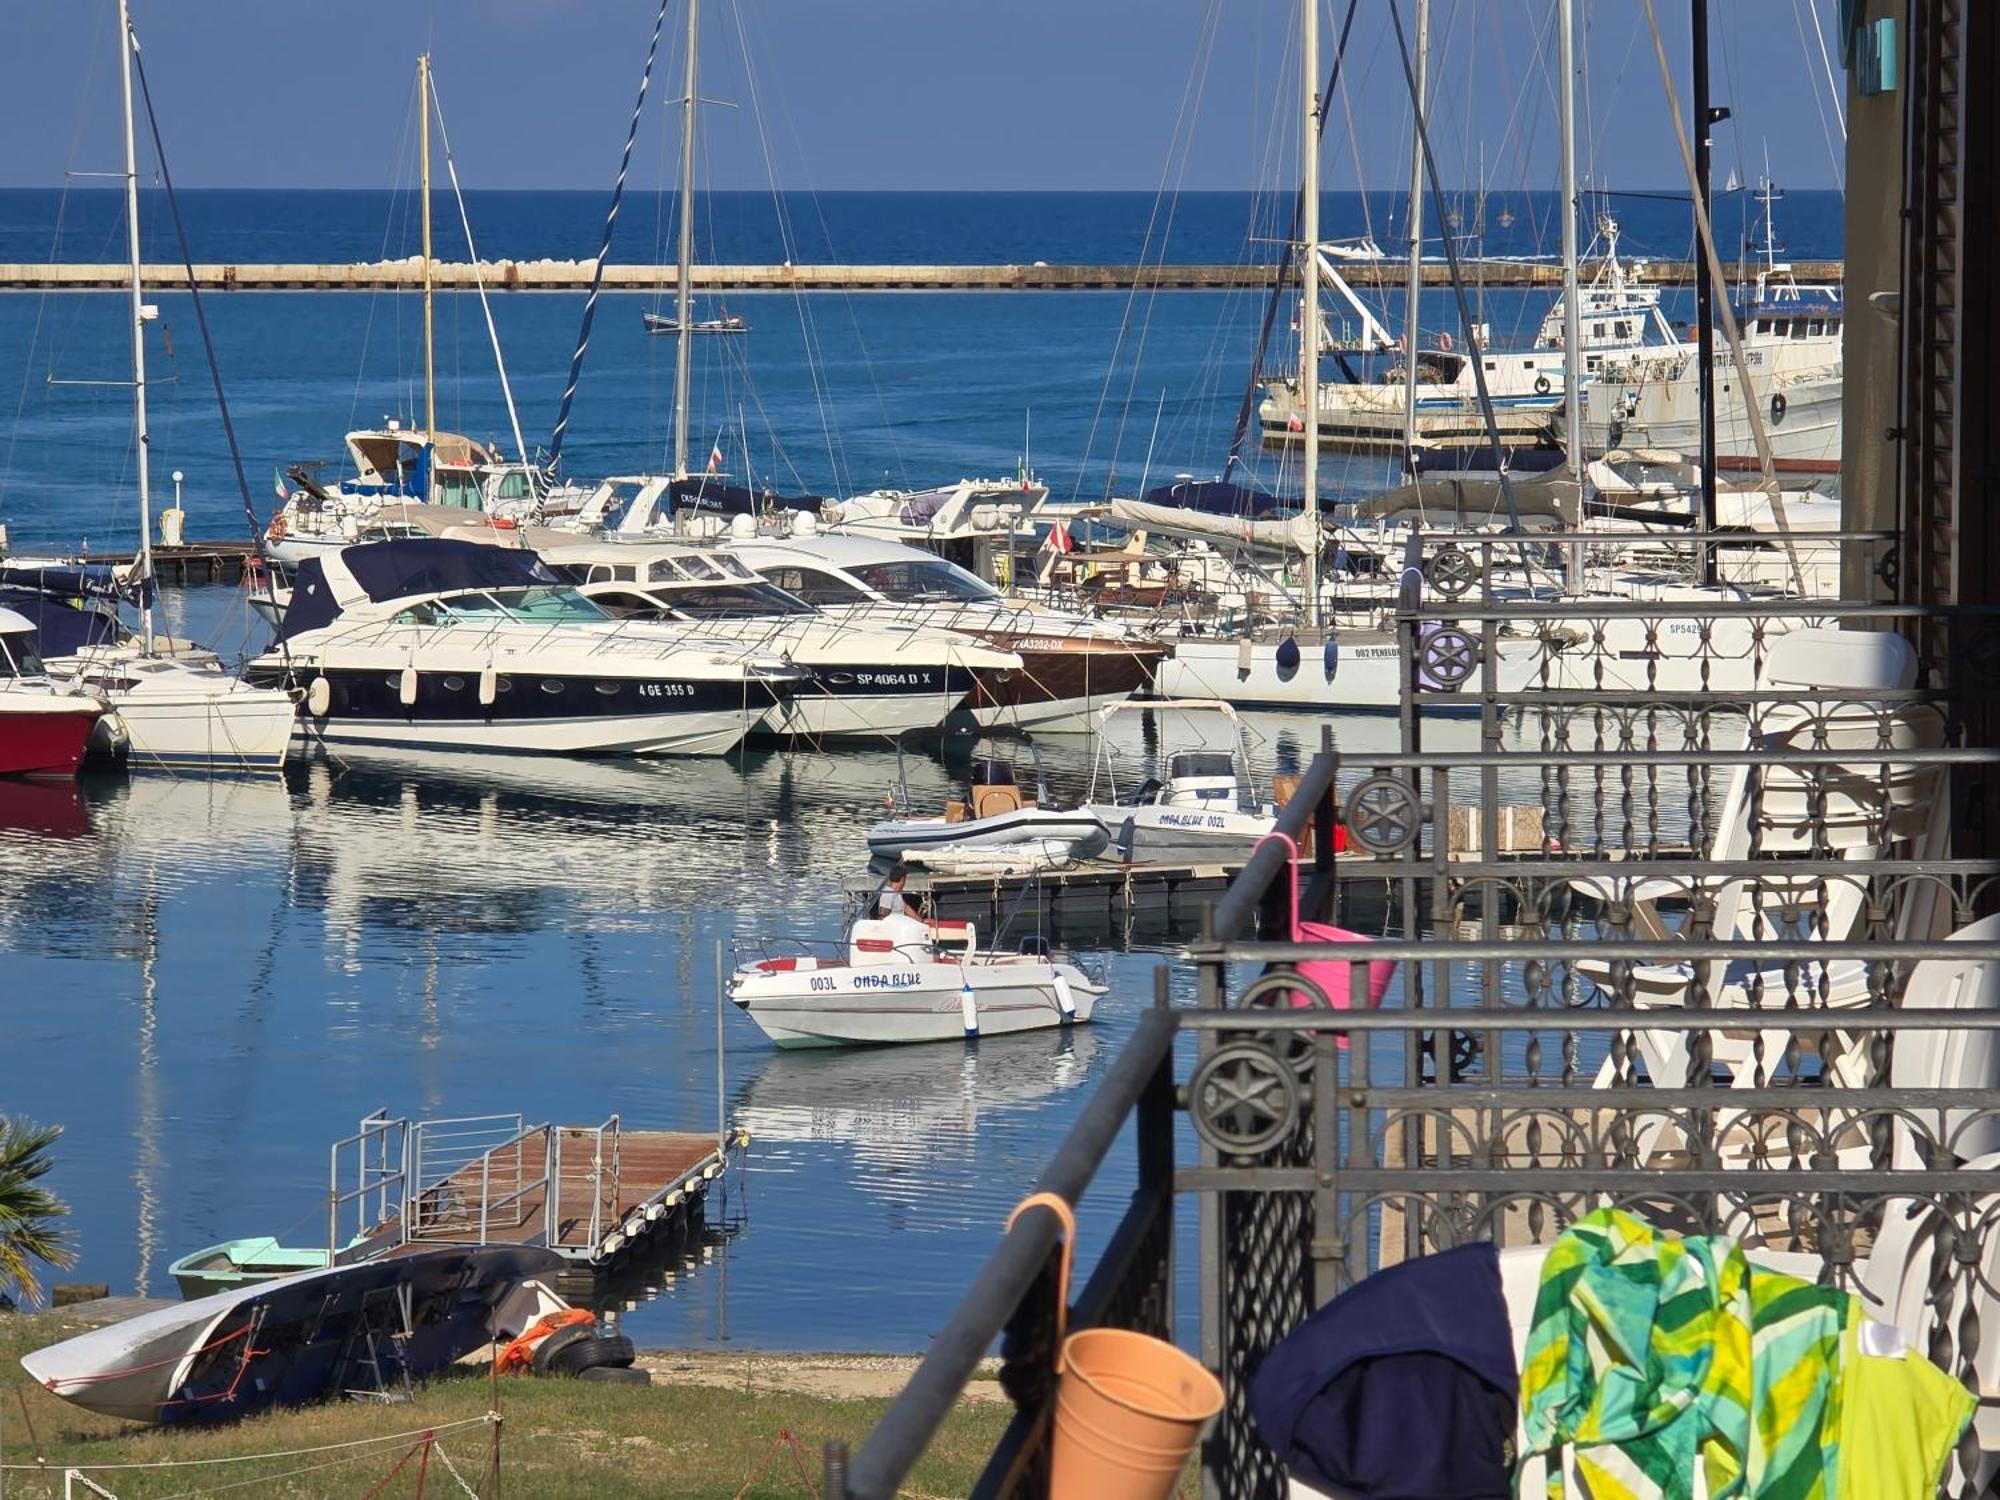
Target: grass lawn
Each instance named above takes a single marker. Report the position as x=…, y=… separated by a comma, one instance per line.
x=559, y=1438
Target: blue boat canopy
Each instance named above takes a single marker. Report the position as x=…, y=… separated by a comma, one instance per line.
x=1217, y=497
x=436, y=565
x=711, y=496
x=75, y=581
x=62, y=627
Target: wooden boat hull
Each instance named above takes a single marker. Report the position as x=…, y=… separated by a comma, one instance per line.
x=1060, y=685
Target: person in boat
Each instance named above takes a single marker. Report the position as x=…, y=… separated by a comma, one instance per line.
x=890, y=900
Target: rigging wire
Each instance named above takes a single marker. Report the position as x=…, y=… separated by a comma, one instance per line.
x=604, y=249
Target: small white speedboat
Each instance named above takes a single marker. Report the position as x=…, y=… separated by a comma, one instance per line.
x=905, y=980
x=995, y=814
x=1205, y=810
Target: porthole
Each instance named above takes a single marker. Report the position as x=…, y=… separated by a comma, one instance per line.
x=454, y=684
x=611, y=689
x=554, y=685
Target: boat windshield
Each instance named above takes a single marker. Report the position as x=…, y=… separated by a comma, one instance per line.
x=18, y=656
x=543, y=605
x=924, y=580
x=718, y=601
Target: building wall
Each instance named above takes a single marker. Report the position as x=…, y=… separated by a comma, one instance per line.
x=1871, y=345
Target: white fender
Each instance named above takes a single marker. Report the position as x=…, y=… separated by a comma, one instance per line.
x=968, y=1008
x=319, y=698
x=489, y=687
x=1065, y=1001
x=406, y=688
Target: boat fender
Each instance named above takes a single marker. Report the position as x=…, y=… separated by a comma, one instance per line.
x=319, y=697
x=1777, y=407
x=1329, y=656
x=1243, y=657
x=968, y=1008
x=1065, y=1001
x=613, y=1243
x=1541, y=385
x=1288, y=656
x=489, y=687
x=406, y=687
x=634, y=1226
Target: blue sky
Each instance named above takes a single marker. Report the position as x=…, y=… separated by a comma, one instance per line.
x=888, y=94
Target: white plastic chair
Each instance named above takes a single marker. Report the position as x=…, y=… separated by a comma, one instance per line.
x=1854, y=814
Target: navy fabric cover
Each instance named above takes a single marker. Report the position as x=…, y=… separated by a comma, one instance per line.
x=734, y=499
x=75, y=581
x=61, y=628
x=1217, y=497
x=435, y=565
x=312, y=604
x=1403, y=1388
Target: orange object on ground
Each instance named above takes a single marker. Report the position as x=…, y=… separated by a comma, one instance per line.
x=519, y=1355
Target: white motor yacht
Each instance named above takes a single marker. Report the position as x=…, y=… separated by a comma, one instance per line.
x=995, y=813
x=445, y=644
x=869, y=680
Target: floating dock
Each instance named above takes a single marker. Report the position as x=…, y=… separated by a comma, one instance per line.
x=576, y=276
x=601, y=1196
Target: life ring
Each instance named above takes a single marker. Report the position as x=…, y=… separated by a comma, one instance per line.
x=276, y=530
x=1444, y=343
x=1777, y=407
x=1541, y=385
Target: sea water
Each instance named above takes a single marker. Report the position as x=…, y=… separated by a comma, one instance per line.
x=207, y=982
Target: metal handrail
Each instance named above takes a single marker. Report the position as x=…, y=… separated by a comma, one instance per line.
x=1009, y=1276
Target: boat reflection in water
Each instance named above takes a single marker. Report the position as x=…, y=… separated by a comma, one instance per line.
x=932, y=1132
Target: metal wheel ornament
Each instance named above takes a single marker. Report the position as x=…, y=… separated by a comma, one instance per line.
x=1448, y=657
x=1243, y=1099
x=1383, y=815
x=1284, y=990
x=1451, y=571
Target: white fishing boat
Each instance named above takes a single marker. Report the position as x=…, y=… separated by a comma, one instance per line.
x=1380, y=402
x=901, y=979
x=1791, y=334
x=994, y=814
x=1205, y=809
x=456, y=645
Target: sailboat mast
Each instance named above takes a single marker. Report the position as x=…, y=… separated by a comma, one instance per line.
x=1572, y=308
x=141, y=315
x=1309, y=286
x=1413, y=303
x=424, y=158
x=684, y=289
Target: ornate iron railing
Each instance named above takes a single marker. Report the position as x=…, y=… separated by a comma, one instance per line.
x=1680, y=946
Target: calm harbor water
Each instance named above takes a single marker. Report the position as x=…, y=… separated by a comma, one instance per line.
x=208, y=982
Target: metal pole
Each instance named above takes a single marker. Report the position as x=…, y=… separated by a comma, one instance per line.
x=1414, y=298
x=424, y=157
x=1704, y=285
x=141, y=314
x=1309, y=285
x=721, y=1103
x=684, y=290
x=1577, y=451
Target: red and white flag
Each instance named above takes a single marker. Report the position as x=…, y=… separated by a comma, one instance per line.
x=1060, y=540
x=715, y=458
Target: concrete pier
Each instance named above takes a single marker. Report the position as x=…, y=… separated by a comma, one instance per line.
x=575, y=275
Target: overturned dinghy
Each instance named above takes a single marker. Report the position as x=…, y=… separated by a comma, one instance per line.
x=905, y=980
x=371, y=1326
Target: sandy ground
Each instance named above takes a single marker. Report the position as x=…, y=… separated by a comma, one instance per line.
x=836, y=1376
